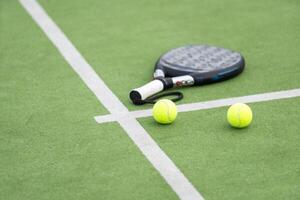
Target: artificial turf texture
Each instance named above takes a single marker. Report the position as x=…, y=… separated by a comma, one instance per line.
x=51, y=147
x=123, y=39
x=260, y=162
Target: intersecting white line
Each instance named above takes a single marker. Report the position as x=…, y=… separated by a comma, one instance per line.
x=161, y=162
x=207, y=104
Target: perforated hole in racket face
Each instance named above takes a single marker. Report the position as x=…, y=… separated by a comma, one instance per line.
x=198, y=59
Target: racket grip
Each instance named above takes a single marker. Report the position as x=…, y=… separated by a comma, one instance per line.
x=137, y=95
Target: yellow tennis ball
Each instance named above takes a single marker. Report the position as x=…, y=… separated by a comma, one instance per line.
x=164, y=111
x=239, y=115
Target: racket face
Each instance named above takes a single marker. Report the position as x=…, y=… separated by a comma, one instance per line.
x=201, y=60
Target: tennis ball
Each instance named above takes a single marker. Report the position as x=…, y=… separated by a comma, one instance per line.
x=164, y=111
x=239, y=115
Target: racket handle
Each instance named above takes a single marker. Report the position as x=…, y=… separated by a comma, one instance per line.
x=139, y=94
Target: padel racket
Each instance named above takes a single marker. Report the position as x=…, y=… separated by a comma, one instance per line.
x=187, y=66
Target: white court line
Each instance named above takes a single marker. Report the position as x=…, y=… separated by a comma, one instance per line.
x=207, y=104
x=162, y=163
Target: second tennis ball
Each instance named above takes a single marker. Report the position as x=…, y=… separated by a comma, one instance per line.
x=164, y=111
x=239, y=115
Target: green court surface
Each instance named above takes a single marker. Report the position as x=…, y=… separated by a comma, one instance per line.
x=50, y=145
x=259, y=162
x=52, y=148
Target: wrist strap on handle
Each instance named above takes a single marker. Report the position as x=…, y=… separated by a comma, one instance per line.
x=153, y=99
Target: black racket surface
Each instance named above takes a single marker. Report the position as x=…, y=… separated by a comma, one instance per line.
x=200, y=60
